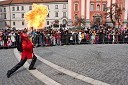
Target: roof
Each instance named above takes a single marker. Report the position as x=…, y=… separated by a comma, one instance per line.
x=29, y=1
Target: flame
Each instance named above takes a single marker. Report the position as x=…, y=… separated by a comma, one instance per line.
x=37, y=16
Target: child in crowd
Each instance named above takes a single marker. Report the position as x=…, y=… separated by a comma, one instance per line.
x=9, y=42
x=1, y=39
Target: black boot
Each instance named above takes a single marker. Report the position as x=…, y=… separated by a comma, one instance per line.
x=15, y=68
x=9, y=74
x=31, y=67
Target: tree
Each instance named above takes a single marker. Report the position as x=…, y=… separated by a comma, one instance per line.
x=114, y=13
x=79, y=21
x=56, y=23
x=82, y=20
x=76, y=21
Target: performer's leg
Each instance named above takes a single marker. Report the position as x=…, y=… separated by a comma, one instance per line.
x=31, y=67
x=16, y=67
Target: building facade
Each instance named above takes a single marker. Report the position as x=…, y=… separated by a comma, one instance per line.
x=12, y=13
x=92, y=11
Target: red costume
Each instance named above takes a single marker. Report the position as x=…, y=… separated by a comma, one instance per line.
x=27, y=47
x=27, y=53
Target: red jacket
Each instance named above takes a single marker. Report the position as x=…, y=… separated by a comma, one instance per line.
x=58, y=36
x=27, y=49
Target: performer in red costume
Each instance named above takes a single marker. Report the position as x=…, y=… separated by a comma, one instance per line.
x=27, y=53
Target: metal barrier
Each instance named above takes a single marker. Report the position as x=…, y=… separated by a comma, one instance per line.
x=66, y=40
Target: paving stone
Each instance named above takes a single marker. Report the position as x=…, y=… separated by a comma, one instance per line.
x=21, y=77
x=59, y=76
x=107, y=63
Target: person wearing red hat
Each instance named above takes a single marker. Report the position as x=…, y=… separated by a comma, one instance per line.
x=27, y=53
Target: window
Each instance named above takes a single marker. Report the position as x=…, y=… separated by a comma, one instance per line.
x=76, y=17
x=47, y=22
x=56, y=14
x=64, y=6
x=64, y=21
x=56, y=6
x=22, y=8
x=92, y=7
x=13, y=15
x=48, y=6
x=22, y=16
x=13, y=8
x=22, y=22
x=98, y=7
x=4, y=16
x=48, y=15
x=17, y=8
x=5, y=23
x=30, y=7
x=76, y=7
x=14, y=23
x=4, y=9
x=104, y=7
x=64, y=14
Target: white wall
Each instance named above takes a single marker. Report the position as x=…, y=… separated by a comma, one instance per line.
x=60, y=11
x=18, y=19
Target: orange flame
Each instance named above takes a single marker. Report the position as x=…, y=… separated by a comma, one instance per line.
x=37, y=16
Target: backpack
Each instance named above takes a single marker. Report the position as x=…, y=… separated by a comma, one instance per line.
x=19, y=46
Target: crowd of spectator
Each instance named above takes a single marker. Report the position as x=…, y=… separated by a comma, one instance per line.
x=57, y=37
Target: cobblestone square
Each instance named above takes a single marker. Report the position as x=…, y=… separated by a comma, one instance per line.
x=104, y=63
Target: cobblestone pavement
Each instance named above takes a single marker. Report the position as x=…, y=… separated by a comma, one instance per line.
x=107, y=63
x=21, y=77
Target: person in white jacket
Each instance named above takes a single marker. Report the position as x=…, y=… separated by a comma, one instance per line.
x=12, y=36
x=79, y=37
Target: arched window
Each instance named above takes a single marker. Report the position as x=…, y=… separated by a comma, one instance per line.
x=76, y=17
x=92, y=7
x=103, y=7
x=64, y=21
x=76, y=7
x=98, y=7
